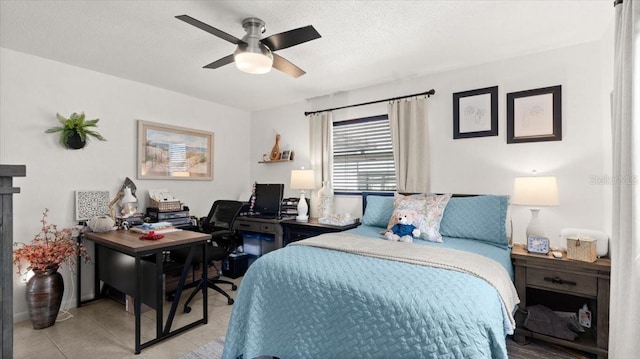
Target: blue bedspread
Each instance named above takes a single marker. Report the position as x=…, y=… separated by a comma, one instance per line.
x=307, y=302
x=501, y=255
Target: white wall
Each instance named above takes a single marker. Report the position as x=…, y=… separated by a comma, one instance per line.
x=489, y=164
x=33, y=90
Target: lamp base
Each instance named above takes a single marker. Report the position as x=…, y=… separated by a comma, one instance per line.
x=303, y=209
x=535, y=229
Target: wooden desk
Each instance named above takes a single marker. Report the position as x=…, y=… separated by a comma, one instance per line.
x=130, y=265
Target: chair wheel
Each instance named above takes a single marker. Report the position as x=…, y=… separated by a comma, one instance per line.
x=234, y=287
x=187, y=309
x=230, y=301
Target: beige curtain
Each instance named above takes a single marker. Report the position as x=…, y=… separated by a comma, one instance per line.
x=321, y=156
x=410, y=138
x=624, y=333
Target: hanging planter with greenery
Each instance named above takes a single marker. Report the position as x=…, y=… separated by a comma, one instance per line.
x=75, y=131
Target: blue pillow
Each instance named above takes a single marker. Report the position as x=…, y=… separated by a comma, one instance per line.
x=478, y=217
x=379, y=210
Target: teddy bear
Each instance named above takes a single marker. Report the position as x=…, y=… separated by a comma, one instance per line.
x=403, y=230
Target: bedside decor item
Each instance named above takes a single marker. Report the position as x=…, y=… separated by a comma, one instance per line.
x=535, y=191
x=538, y=245
x=49, y=249
x=101, y=224
x=286, y=155
x=325, y=200
x=475, y=113
x=303, y=180
x=275, y=151
x=581, y=248
x=172, y=152
x=75, y=131
x=602, y=239
x=534, y=115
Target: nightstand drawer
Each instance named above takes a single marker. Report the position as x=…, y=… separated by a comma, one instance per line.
x=563, y=281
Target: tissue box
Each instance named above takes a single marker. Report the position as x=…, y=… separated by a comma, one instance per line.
x=581, y=249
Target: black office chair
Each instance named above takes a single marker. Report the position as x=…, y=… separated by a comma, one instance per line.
x=224, y=240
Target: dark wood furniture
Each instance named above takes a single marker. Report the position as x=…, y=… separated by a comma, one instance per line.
x=7, y=172
x=135, y=267
x=564, y=285
x=294, y=231
x=270, y=226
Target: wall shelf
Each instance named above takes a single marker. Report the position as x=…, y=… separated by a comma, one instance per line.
x=273, y=161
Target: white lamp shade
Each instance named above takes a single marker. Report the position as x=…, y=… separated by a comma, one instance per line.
x=128, y=197
x=302, y=179
x=535, y=191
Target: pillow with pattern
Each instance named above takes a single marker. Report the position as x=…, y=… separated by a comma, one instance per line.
x=429, y=209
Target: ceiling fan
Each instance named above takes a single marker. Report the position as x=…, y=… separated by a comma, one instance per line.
x=254, y=54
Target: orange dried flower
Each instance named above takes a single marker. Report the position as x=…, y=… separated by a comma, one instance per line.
x=49, y=249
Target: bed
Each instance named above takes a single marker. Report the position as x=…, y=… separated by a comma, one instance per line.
x=356, y=295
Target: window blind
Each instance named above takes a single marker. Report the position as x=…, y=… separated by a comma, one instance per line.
x=363, y=155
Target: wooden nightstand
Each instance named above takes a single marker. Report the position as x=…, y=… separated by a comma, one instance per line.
x=295, y=231
x=565, y=285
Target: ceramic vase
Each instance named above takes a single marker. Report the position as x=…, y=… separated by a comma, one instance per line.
x=44, y=296
x=325, y=200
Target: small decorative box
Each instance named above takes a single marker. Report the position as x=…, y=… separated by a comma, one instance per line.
x=167, y=206
x=581, y=249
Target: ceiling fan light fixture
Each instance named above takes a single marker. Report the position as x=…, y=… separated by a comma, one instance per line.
x=252, y=56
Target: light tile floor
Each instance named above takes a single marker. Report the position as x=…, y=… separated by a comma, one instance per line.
x=103, y=329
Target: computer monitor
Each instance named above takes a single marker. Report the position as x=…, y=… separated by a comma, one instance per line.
x=268, y=199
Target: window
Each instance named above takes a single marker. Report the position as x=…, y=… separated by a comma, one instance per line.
x=363, y=155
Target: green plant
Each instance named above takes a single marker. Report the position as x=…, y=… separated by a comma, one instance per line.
x=75, y=125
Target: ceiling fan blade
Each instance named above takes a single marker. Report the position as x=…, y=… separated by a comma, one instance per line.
x=282, y=64
x=290, y=38
x=208, y=28
x=219, y=63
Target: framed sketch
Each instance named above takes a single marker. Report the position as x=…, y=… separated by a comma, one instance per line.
x=286, y=155
x=534, y=115
x=475, y=113
x=172, y=152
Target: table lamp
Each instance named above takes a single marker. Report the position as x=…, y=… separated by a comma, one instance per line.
x=535, y=191
x=303, y=180
x=128, y=203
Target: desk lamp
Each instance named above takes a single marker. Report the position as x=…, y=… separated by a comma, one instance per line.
x=128, y=203
x=303, y=180
x=535, y=191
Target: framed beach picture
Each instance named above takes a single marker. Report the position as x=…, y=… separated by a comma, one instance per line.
x=475, y=113
x=534, y=115
x=172, y=152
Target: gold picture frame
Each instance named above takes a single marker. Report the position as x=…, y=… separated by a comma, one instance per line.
x=172, y=152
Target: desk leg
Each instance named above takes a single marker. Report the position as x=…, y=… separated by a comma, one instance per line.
x=205, y=278
x=159, y=294
x=137, y=305
x=79, y=274
x=178, y=293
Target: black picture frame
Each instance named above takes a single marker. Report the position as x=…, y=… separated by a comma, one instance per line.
x=474, y=115
x=535, y=115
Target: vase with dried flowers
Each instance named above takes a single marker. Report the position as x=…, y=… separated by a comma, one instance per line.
x=49, y=249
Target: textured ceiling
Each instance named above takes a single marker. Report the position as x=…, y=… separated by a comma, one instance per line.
x=363, y=42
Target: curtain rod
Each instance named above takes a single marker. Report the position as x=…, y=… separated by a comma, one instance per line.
x=428, y=93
